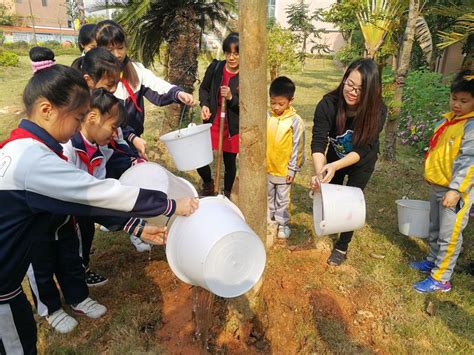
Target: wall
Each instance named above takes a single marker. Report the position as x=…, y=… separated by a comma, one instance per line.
x=52, y=15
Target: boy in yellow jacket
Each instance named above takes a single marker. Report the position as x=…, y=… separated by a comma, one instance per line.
x=285, y=151
x=449, y=169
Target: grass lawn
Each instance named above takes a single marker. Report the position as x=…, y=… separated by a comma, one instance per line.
x=365, y=306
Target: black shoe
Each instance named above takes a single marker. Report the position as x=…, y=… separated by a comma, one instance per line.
x=208, y=188
x=337, y=257
x=93, y=279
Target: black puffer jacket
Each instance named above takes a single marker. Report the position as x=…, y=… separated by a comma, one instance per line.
x=209, y=93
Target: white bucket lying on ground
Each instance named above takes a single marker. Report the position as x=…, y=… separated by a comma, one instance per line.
x=190, y=147
x=153, y=176
x=337, y=209
x=214, y=248
x=413, y=217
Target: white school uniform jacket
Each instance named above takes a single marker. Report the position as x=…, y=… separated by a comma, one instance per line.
x=36, y=182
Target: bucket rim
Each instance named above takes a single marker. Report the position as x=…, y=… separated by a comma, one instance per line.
x=399, y=202
x=171, y=136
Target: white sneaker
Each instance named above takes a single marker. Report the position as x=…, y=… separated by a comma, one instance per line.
x=139, y=244
x=104, y=229
x=61, y=321
x=89, y=308
x=284, y=232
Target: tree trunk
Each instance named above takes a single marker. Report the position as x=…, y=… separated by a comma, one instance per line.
x=400, y=75
x=182, y=64
x=252, y=169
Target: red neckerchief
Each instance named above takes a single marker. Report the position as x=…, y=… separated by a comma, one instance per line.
x=131, y=93
x=20, y=133
x=434, y=139
x=91, y=165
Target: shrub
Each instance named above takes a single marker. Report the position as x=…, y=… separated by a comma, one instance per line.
x=425, y=100
x=8, y=59
x=347, y=54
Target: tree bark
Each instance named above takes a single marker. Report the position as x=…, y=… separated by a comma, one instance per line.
x=183, y=40
x=252, y=170
x=253, y=110
x=399, y=81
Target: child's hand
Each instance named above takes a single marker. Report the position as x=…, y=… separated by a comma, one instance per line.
x=451, y=198
x=205, y=113
x=140, y=146
x=226, y=93
x=186, y=206
x=154, y=235
x=186, y=98
x=290, y=179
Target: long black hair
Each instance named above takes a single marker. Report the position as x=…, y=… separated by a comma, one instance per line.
x=108, y=33
x=63, y=86
x=366, y=124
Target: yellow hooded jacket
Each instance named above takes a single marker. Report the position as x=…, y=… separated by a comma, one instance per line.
x=285, y=143
x=450, y=160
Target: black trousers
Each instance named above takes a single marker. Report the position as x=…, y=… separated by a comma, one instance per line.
x=17, y=327
x=87, y=231
x=230, y=166
x=60, y=258
x=357, y=177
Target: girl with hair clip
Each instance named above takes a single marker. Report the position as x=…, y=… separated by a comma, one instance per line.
x=347, y=124
x=36, y=183
x=221, y=82
x=136, y=83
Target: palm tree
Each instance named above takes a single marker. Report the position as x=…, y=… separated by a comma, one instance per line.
x=179, y=24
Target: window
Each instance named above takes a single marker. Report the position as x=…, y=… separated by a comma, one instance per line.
x=271, y=8
x=44, y=3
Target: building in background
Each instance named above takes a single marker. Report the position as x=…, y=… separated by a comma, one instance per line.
x=332, y=38
x=50, y=18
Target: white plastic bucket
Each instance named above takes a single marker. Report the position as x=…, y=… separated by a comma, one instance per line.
x=413, y=217
x=337, y=209
x=190, y=147
x=154, y=177
x=214, y=248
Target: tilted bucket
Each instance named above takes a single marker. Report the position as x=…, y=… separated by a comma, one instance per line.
x=153, y=176
x=190, y=147
x=413, y=217
x=337, y=209
x=214, y=248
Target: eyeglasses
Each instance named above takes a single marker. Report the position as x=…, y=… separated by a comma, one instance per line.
x=351, y=87
x=233, y=54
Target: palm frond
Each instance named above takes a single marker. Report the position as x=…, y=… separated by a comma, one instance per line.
x=424, y=38
x=375, y=19
x=461, y=30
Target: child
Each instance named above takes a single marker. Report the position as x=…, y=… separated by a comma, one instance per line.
x=221, y=82
x=346, y=127
x=36, y=183
x=102, y=70
x=86, y=41
x=285, y=151
x=136, y=83
x=449, y=169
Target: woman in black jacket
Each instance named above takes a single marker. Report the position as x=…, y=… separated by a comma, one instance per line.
x=221, y=81
x=347, y=124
